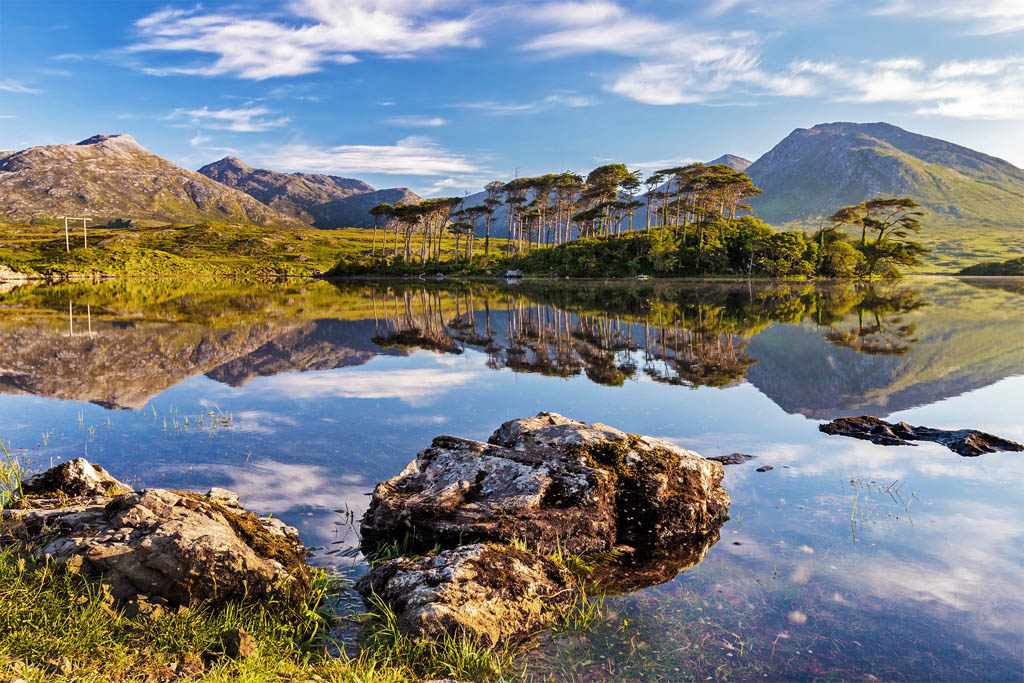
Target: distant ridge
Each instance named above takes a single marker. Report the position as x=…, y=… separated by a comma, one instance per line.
x=324, y=201
x=113, y=176
x=814, y=171
x=732, y=161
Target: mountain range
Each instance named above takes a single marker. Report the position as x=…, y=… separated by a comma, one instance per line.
x=974, y=198
x=323, y=201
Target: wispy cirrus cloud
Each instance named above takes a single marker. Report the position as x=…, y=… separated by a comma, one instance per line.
x=669, y=62
x=416, y=121
x=985, y=17
x=414, y=155
x=10, y=85
x=316, y=33
x=972, y=89
x=246, y=119
x=569, y=99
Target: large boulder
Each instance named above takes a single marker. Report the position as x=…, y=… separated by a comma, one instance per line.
x=491, y=592
x=553, y=482
x=183, y=547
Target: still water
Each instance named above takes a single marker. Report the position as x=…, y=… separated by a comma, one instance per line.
x=846, y=560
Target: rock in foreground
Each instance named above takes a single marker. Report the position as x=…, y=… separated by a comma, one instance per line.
x=491, y=592
x=966, y=442
x=182, y=547
x=553, y=482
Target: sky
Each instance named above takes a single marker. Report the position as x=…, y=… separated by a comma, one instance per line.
x=443, y=96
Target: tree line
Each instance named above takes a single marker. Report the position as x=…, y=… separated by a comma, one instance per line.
x=691, y=222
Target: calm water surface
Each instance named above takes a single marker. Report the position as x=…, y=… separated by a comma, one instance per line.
x=846, y=560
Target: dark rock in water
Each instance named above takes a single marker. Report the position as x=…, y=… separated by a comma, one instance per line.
x=172, y=546
x=733, y=458
x=553, y=482
x=966, y=442
x=636, y=569
x=764, y=468
x=489, y=591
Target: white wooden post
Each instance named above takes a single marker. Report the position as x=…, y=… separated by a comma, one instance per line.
x=67, y=237
x=85, y=234
x=71, y=322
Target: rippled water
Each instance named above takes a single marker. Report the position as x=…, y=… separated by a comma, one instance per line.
x=846, y=560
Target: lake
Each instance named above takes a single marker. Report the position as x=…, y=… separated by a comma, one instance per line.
x=846, y=560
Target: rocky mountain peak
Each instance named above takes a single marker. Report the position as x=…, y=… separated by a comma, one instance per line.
x=115, y=139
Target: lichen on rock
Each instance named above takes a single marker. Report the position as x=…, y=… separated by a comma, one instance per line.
x=553, y=482
x=183, y=547
x=491, y=592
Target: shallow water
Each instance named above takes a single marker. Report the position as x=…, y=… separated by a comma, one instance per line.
x=846, y=560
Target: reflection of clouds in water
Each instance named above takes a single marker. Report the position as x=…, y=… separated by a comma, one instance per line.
x=260, y=422
x=305, y=496
x=411, y=386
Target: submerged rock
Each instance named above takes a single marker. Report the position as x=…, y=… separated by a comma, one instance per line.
x=488, y=591
x=732, y=458
x=553, y=482
x=182, y=547
x=966, y=442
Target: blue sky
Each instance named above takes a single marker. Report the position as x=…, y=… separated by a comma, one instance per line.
x=444, y=95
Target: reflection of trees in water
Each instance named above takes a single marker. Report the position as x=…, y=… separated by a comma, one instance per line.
x=880, y=326
x=694, y=336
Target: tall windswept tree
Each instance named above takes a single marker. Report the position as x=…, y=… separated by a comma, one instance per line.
x=893, y=220
x=380, y=212
x=494, y=191
x=652, y=183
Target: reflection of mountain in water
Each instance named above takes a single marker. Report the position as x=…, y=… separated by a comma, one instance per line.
x=963, y=341
x=316, y=345
x=818, y=350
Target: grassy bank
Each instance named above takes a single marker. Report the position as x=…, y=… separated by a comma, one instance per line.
x=58, y=626
x=204, y=249
x=1012, y=268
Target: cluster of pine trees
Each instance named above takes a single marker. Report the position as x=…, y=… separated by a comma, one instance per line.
x=677, y=221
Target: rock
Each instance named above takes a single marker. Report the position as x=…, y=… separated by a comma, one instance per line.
x=487, y=591
x=553, y=482
x=966, y=442
x=237, y=644
x=634, y=570
x=733, y=458
x=172, y=546
x=73, y=479
x=764, y=468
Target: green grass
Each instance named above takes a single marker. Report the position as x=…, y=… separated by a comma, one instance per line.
x=205, y=249
x=1011, y=268
x=57, y=626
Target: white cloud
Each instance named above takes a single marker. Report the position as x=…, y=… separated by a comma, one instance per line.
x=412, y=386
x=413, y=155
x=569, y=99
x=318, y=33
x=984, y=17
x=245, y=119
x=416, y=121
x=8, y=116
x=978, y=89
x=9, y=85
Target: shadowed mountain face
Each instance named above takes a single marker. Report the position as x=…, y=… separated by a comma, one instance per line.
x=324, y=201
x=814, y=171
x=112, y=176
x=294, y=194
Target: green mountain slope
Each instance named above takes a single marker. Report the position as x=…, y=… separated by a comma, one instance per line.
x=974, y=202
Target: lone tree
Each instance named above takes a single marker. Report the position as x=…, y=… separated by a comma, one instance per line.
x=892, y=220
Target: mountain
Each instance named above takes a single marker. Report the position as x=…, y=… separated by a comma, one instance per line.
x=354, y=211
x=294, y=194
x=324, y=201
x=113, y=176
x=814, y=171
x=732, y=161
